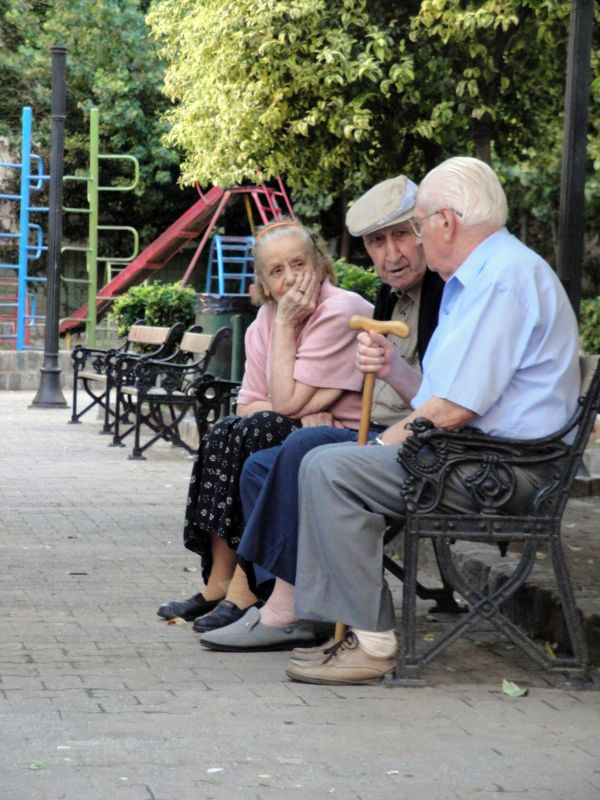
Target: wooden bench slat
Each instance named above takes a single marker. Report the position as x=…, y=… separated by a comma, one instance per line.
x=94, y=376
x=147, y=334
x=196, y=342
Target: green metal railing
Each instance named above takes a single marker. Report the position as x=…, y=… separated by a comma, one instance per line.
x=92, y=259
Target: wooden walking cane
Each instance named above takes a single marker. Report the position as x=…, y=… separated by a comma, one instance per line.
x=358, y=323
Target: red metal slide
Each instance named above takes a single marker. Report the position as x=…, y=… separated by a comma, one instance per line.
x=187, y=228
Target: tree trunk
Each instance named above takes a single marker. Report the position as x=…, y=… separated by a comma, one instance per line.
x=482, y=136
x=345, y=240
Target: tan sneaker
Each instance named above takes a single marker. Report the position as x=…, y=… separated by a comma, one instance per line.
x=316, y=653
x=346, y=663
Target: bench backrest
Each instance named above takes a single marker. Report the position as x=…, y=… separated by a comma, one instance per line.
x=588, y=366
x=147, y=334
x=195, y=342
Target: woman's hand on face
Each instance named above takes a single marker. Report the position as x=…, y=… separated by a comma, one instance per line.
x=317, y=420
x=374, y=353
x=300, y=300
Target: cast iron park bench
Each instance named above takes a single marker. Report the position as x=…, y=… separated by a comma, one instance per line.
x=432, y=457
x=157, y=394
x=93, y=368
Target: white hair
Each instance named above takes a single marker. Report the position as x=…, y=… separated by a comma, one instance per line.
x=469, y=187
x=279, y=229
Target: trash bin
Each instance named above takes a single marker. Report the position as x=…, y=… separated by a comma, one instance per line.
x=214, y=311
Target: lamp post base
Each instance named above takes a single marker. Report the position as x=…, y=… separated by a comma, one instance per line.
x=49, y=394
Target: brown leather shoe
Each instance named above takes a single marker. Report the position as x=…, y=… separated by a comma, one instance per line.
x=317, y=653
x=345, y=663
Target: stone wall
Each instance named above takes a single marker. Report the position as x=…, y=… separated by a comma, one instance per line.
x=20, y=371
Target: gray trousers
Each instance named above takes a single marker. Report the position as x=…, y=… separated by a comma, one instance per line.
x=346, y=494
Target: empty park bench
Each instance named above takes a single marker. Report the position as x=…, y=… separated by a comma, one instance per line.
x=93, y=368
x=158, y=393
x=486, y=468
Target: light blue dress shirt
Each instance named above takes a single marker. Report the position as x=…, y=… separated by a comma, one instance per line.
x=506, y=344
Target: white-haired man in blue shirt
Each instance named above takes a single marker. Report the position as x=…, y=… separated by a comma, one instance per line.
x=504, y=358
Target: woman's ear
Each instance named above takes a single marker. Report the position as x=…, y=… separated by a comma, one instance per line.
x=264, y=288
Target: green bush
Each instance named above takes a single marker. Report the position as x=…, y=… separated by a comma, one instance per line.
x=160, y=304
x=362, y=280
x=589, y=328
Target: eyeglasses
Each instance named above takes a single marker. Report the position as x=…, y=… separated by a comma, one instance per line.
x=416, y=223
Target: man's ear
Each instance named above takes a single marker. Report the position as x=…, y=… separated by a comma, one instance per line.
x=449, y=224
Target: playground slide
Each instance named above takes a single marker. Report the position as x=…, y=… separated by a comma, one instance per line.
x=187, y=228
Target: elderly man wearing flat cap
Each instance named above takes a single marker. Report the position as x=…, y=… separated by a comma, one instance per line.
x=503, y=358
x=269, y=483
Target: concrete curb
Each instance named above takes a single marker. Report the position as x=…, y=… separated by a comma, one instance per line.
x=536, y=606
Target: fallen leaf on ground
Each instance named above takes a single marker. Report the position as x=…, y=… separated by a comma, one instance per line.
x=549, y=650
x=574, y=548
x=176, y=621
x=429, y=637
x=36, y=765
x=512, y=690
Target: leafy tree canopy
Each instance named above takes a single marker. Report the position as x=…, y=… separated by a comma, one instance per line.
x=336, y=94
x=263, y=88
x=112, y=64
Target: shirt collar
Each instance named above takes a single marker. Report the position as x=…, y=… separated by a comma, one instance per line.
x=477, y=259
x=413, y=294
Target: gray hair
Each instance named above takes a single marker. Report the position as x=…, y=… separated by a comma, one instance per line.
x=469, y=187
x=278, y=230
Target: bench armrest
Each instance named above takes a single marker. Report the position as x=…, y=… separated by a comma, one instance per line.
x=484, y=468
x=100, y=360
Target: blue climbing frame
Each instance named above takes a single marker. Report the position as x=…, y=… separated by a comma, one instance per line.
x=230, y=264
x=31, y=181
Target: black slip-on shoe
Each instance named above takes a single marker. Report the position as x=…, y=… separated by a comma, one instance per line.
x=187, y=609
x=223, y=614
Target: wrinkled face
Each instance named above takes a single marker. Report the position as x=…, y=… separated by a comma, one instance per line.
x=397, y=256
x=282, y=260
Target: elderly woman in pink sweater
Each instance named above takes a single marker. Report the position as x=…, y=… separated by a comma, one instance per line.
x=300, y=361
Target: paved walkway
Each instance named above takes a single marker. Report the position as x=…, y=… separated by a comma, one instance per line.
x=100, y=700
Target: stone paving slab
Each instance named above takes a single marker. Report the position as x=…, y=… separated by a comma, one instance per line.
x=100, y=699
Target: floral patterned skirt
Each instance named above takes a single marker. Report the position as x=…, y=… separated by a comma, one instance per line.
x=213, y=503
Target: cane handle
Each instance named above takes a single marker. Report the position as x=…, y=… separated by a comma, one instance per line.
x=396, y=328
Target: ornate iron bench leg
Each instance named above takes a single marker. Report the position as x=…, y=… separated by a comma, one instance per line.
x=579, y=676
x=136, y=453
x=74, y=415
x=445, y=602
x=408, y=666
x=107, y=427
x=119, y=417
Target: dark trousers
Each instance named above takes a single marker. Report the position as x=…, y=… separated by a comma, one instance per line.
x=269, y=493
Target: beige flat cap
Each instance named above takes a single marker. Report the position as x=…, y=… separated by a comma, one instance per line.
x=387, y=203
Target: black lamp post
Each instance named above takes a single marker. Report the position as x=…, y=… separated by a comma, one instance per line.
x=49, y=394
x=571, y=222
